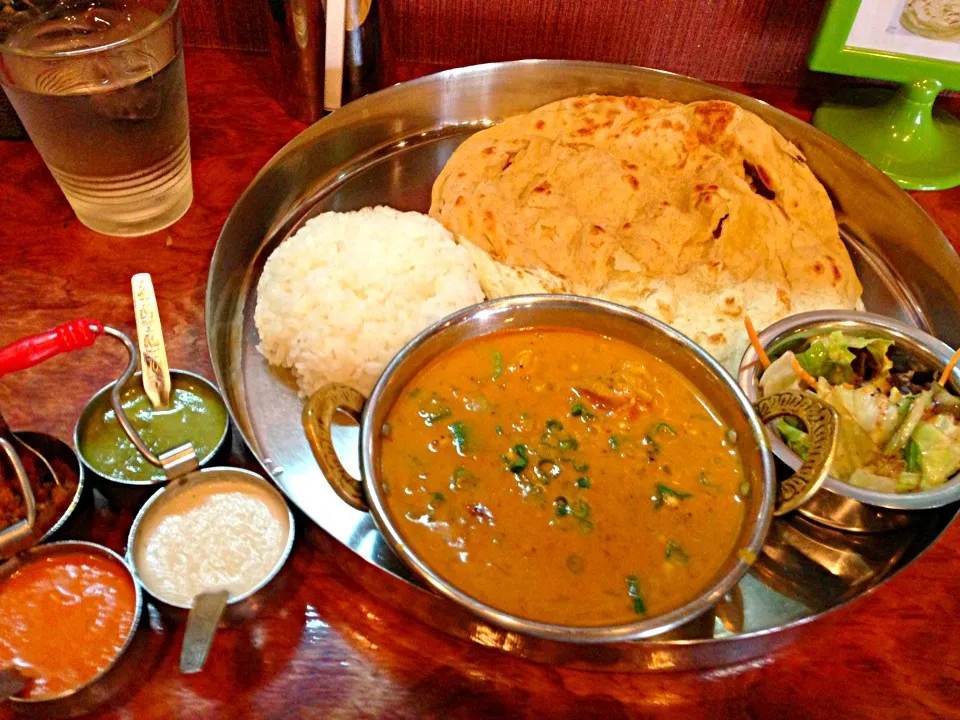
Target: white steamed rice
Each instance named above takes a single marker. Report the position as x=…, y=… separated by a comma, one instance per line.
x=340, y=298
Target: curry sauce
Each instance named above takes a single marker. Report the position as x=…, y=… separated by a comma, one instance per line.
x=563, y=476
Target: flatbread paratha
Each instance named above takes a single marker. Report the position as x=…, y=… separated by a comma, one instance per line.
x=692, y=213
x=934, y=19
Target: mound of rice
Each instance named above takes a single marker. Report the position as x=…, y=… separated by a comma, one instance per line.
x=340, y=298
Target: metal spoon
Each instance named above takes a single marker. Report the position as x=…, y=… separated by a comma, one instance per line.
x=28, y=456
x=15, y=537
x=201, y=626
x=26, y=463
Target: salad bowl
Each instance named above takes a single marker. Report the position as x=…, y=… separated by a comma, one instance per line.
x=877, y=405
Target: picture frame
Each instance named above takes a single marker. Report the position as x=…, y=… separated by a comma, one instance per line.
x=900, y=131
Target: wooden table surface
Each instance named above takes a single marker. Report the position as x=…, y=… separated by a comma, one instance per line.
x=328, y=649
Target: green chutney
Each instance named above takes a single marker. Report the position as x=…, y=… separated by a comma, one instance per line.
x=195, y=414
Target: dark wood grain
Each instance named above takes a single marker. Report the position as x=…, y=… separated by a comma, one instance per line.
x=324, y=648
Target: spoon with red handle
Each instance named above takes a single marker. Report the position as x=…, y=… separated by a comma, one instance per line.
x=33, y=350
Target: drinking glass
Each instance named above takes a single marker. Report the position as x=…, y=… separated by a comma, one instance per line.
x=99, y=86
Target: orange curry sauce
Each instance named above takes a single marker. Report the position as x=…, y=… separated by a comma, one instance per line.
x=63, y=619
x=563, y=476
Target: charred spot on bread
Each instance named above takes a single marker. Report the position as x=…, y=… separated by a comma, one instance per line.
x=714, y=116
x=759, y=180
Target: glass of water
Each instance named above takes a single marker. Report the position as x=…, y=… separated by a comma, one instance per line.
x=100, y=87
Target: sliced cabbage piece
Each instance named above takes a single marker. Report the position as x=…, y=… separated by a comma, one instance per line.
x=831, y=356
x=908, y=482
x=872, y=410
x=918, y=406
x=795, y=438
x=939, y=443
x=855, y=448
x=871, y=481
x=779, y=377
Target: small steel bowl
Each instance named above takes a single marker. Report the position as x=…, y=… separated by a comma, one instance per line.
x=545, y=311
x=241, y=606
x=73, y=516
x=839, y=504
x=133, y=493
x=101, y=687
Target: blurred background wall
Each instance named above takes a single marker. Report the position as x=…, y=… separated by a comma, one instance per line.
x=752, y=41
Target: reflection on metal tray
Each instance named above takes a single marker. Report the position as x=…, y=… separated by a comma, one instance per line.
x=387, y=149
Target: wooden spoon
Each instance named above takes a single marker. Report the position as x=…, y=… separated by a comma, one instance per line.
x=153, y=353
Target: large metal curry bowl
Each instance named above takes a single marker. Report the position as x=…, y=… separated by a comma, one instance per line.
x=532, y=312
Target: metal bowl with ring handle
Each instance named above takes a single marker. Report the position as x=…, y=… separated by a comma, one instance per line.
x=841, y=505
x=764, y=501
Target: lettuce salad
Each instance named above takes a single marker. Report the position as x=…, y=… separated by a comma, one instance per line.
x=899, y=429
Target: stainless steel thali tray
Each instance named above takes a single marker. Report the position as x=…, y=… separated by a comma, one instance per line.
x=386, y=149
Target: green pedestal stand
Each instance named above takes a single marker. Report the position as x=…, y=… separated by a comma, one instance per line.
x=915, y=144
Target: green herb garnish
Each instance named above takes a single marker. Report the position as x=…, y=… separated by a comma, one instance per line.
x=664, y=494
x=462, y=478
x=569, y=443
x=578, y=410
x=550, y=427
x=546, y=470
x=650, y=438
x=461, y=440
x=432, y=418
x=663, y=427
x=499, y=430
x=676, y=553
x=614, y=441
x=579, y=509
x=911, y=453
x=518, y=463
x=497, y=365
x=582, y=482
x=439, y=497
x=581, y=468
x=633, y=590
